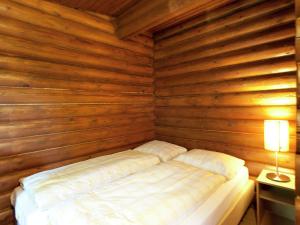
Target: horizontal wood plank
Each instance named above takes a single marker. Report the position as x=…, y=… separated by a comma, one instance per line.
x=274, y=66
x=70, y=90
x=70, y=72
x=32, y=50
x=262, y=37
x=33, y=16
x=263, y=23
x=234, y=138
x=6, y=217
x=257, y=53
x=210, y=16
x=10, y=78
x=52, y=144
x=238, y=17
x=228, y=125
x=218, y=76
x=278, y=98
x=70, y=14
x=5, y=200
x=41, y=142
x=56, y=125
x=42, y=96
x=69, y=154
x=13, y=27
x=263, y=83
x=10, y=113
x=255, y=112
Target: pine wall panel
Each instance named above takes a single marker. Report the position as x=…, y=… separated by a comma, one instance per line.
x=297, y=44
x=69, y=90
x=218, y=76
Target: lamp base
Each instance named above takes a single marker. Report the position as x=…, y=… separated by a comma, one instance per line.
x=278, y=177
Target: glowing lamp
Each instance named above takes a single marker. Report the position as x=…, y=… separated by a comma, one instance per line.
x=276, y=133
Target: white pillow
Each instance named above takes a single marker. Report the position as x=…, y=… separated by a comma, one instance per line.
x=215, y=162
x=164, y=150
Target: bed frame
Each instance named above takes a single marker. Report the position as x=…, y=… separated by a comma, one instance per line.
x=235, y=213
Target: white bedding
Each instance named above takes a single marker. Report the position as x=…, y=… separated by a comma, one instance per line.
x=208, y=213
x=49, y=187
x=214, y=208
x=164, y=194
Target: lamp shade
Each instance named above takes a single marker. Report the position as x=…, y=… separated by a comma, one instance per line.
x=276, y=135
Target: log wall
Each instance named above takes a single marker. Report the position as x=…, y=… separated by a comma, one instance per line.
x=297, y=44
x=220, y=75
x=69, y=90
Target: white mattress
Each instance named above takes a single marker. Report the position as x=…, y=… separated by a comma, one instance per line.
x=212, y=211
x=208, y=213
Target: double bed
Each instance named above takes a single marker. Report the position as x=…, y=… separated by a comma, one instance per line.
x=136, y=188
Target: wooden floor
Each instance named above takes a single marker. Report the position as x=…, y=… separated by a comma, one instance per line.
x=249, y=218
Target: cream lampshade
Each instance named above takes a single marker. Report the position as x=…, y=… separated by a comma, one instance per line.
x=276, y=135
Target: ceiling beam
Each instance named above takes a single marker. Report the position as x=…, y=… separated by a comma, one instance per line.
x=157, y=14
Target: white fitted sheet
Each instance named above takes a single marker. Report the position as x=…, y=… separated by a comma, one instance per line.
x=208, y=213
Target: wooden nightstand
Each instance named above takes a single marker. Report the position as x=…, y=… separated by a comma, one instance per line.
x=275, y=200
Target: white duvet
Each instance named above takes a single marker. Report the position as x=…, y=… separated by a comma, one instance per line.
x=162, y=195
x=53, y=186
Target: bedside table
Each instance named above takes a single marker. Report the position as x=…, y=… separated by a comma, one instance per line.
x=275, y=200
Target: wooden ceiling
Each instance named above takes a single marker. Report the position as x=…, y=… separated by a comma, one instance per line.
x=139, y=16
x=157, y=15
x=108, y=7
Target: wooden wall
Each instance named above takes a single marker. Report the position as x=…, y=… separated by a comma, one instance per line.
x=297, y=44
x=107, y=7
x=69, y=90
x=219, y=75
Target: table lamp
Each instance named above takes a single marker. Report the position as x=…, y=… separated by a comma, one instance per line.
x=276, y=133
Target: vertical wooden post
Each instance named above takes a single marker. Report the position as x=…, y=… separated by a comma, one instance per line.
x=297, y=45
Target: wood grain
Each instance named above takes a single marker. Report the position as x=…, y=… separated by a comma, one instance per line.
x=260, y=52
x=228, y=125
x=253, y=69
x=156, y=15
x=11, y=78
x=275, y=34
x=235, y=30
x=262, y=83
x=36, y=17
x=103, y=23
x=49, y=37
x=266, y=7
x=113, y=8
x=69, y=90
x=235, y=138
x=258, y=155
x=39, y=51
x=41, y=142
x=58, y=70
x=218, y=76
x=297, y=161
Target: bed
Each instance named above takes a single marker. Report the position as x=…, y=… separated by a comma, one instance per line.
x=170, y=192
